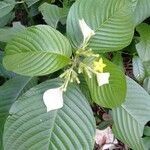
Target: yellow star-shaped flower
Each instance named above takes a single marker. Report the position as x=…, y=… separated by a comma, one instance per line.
x=99, y=65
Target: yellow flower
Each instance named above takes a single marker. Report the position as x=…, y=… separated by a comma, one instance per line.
x=99, y=65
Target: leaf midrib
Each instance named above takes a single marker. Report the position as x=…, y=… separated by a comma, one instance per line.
x=39, y=52
x=52, y=129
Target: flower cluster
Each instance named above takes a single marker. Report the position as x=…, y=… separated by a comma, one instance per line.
x=78, y=66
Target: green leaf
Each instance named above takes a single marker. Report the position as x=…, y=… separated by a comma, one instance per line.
x=111, y=20
x=142, y=11
x=6, y=19
x=6, y=6
x=131, y=117
x=51, y=14
x=118, y=60
x=147, y=131
x=146, y=141
x=84, y=88
x=9, y=92
x=144, y=45
x=147, y=67
x=138, y=69
x=39, y=50
x=31, y=2
x=33, y=11
x=7, y=33
x=146, y=84
x=30, y=126
x=133, y=3
x=3, y=71
x=104, y=124
x=107, y=95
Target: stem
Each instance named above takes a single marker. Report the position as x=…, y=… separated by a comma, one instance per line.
x=70, y=74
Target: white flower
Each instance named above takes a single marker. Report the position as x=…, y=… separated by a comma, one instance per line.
x=86, y=31
x=103, y=78
x=53, y=99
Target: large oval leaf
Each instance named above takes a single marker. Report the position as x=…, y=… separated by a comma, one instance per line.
x=30, y=126
x=111, y=20
x=9, y=92
x=131, y=116
x=39, y=50
x=112, y=94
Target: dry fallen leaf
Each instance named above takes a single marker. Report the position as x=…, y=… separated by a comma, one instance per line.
x=105, y=139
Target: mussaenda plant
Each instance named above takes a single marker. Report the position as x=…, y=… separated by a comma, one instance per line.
x=56, y=114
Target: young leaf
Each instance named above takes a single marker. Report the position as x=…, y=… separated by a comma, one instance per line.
x=51, y=14
x=112, y=94
x=6, y=6
x=30, y=126
x=138, y=69
x=111, y=20
x=9, y=92
x=39, y=50
x=131, y=117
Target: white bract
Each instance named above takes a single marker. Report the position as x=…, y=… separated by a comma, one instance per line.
x=53, y=99
x=103, y=78
x=86, y=31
